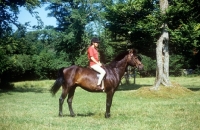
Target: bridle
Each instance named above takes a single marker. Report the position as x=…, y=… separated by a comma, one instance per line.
x=136, y=60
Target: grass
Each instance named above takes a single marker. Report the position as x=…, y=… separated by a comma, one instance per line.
x=31, y=107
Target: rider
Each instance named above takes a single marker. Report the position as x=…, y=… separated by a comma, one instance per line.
x=93, y=57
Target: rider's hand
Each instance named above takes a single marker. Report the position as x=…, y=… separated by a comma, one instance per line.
x=99, y=64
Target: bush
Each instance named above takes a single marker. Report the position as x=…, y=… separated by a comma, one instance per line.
x=47, y=63
x=197, y=70
x=33, y=67
x=82, y=60
x=149, y=67
x=176, y=63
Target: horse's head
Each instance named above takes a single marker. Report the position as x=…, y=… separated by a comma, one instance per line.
x=133, y=59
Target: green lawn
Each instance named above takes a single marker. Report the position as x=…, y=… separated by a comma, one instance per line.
x=30, y=106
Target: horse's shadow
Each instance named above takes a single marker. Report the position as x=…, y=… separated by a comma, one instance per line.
x=130, y=86
x=80, y=114
x=85, y=115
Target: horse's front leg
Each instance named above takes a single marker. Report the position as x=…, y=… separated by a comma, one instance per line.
x=61, y=100
x=60, y=106
x=69, y=101
x=108, y=103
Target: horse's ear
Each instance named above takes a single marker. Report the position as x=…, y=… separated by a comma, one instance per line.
x=130, y=51
x=134, y=51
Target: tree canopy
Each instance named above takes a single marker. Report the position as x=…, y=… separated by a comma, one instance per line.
x=120, y=24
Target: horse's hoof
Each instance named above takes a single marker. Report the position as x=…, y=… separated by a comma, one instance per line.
x=73, y=115
x=60, y=115
x=107, y=115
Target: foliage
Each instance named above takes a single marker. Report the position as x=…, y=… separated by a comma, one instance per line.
x=120, y=25
x=136, y=22
x=176, y=64
x=82, y=60
x=31, y=55
x=72, y=17
x=9, y=45
x=9, y=9
x=47, y=63
x=149, y=67
x=183, y=20
x=197, y=70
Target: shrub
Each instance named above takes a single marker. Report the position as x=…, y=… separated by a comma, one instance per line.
x=149, y=66
x=176, y=63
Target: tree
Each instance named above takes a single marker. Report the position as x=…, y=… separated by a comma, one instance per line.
x=9, y=10
x=72, y=19
x=134, y=22
x=9, y=42
x=139, y=23
x=143, y=22
x=184, y=27
x=162, y=52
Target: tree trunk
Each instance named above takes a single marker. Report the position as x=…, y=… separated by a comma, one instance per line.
x=162, y=53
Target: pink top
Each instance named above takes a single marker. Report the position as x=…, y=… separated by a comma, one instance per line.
x=92, y=52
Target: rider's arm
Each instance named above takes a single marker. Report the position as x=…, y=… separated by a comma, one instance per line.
x=94, y=60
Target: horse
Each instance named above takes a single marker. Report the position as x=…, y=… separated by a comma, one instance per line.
x=86, y=78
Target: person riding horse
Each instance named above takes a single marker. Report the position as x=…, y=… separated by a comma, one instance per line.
x=94, y=62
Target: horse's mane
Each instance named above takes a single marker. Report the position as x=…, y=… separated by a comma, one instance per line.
x=121, y=56
x=124, y=53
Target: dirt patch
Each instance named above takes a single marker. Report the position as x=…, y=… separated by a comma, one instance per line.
x=173, y=91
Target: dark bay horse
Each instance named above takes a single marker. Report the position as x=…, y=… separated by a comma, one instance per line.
x=71, y=77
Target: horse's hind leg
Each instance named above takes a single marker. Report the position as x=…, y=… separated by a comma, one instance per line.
x=69, y=100
x=61, y=100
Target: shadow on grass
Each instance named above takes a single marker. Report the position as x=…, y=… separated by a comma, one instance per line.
x=130, y=86
x=23, y=89
x=194, y=89
x=81, y=115
x=85, y=115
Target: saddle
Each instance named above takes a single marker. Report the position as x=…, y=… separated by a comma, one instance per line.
x=96, y=72
x=102, y=83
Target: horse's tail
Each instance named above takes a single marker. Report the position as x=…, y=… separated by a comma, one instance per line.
x=57, y=84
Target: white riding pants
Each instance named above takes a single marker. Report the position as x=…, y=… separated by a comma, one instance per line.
x=101, y=71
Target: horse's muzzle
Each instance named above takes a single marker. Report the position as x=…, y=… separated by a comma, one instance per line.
x=140, y=67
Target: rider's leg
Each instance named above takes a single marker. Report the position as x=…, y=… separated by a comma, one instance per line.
x=101, y=71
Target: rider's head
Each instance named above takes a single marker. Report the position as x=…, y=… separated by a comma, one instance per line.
x=95, y=40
